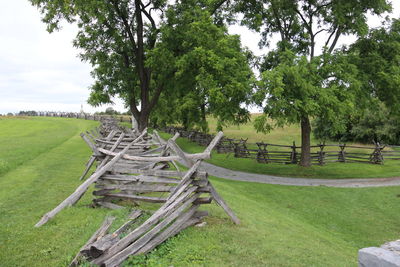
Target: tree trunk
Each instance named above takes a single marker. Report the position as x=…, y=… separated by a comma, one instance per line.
x=143, y=121
x=305, y=159
x=141, y=117
x=203, y=118
x=134, y=123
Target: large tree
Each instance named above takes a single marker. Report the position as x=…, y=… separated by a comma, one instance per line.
x=124, y=41
x=297, y=84
x=212, y=72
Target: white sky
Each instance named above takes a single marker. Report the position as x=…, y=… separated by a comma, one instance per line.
x=41, y=71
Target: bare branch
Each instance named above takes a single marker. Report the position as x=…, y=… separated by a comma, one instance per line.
x=338, y=33
x=147, y=14
x=330, y=36
x=303, y=19
x=320, y=31
x=126, y=24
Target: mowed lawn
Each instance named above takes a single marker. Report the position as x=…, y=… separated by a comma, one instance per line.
x=286, y=136
x=281, y=225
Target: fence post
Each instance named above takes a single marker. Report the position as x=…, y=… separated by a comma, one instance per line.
x=321, y=154
x=244, y=147
x=236, y=150
x=262, y=153
x=293, y=155
x=376, y=156
x=342, y=153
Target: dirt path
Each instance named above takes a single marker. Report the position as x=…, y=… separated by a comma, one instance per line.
x=268, y=179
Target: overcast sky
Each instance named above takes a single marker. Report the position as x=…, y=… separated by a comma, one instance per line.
x=41, y=71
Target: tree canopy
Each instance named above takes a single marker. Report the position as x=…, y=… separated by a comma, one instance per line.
x=127, y=43
x=377, y=57
x=212, y=72
x=377, y=110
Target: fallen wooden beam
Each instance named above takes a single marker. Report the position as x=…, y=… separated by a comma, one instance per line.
x=222, y=203
x=98, y=234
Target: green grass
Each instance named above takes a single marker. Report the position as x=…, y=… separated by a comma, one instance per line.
x=281, y=225
x=285, y=226
x=286, y=136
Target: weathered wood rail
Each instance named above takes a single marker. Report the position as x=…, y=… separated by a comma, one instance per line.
x=134, y=168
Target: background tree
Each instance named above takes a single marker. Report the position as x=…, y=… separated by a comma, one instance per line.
x=212, y=72
x=296, y=86
x=377, y=57
x=372, y=123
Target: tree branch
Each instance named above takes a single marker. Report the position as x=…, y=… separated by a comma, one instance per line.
x=303, y=19
x=281, y=31
x=155, y=98
x=330, y=36
x=149, y=17
x=144, y=92
x=318, y=8
x=320, y=31
x=217, y=6
x=126, y=24
x=338, y=33
x=152, y=40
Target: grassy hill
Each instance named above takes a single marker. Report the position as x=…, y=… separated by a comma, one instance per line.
x=281, y=225
x=284, y=136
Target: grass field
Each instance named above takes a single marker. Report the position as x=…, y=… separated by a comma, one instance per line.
x=281, y=225
x=286, y=136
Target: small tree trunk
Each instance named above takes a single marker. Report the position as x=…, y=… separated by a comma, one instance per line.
x=305, y=159
x=134, y=123
x=203, y=118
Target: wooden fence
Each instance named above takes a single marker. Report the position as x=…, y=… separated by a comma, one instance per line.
x=290, y=154
x=320, y=154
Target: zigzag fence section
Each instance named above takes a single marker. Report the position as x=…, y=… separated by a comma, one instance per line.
x=136, y=168
x=321, y=154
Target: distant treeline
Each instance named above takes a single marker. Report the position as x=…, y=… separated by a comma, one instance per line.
x=375, y=123
x=108, y=111
x=78, y=115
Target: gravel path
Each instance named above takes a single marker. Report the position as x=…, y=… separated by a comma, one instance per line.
x=268, y=179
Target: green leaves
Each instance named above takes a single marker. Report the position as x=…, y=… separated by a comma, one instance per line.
x=377, y=56
x=324, y=87
x=211, y=73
